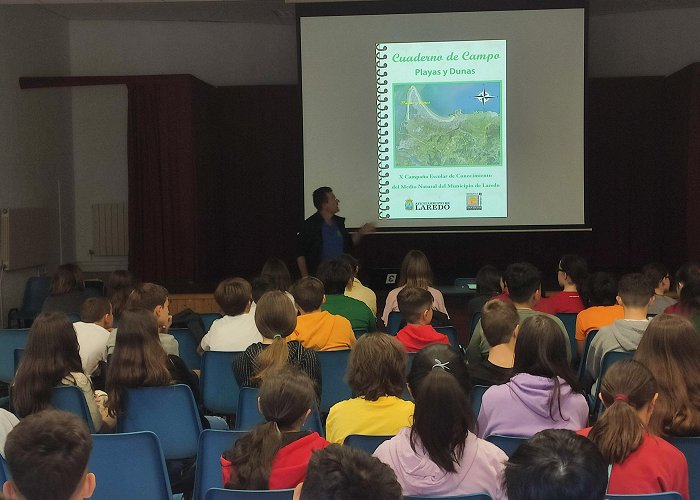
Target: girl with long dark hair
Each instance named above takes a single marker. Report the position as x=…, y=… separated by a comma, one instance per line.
x=274, y=455
x=543, y=392
x=440, y=455
x=52, y=358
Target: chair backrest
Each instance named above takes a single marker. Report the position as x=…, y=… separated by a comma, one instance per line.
x=218, y=383
x=394, y=322
x=170, y=411
x=365, y=442
x=474, y=496
x=187, y=346
x=129, y=465
x=451, y=333
x=221, y=494
x=35, y=292
x=569, y=320
x=10, y=339
x=18, y=358
x=609, y=359
x=690, y=446
x=4, y=471
x=211, y=445
x=507, y=443
x=584, y=355
x=669, y=495
x=476, y=395
x=208, y=319
x=334, y=364
x=248, y=415
x=71, y=399
x=359, y=332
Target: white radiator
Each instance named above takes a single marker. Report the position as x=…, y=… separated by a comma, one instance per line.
x=110, y=229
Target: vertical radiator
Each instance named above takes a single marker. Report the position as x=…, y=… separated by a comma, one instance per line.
x=110, y=229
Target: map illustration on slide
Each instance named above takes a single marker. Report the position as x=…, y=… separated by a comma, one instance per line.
x=447, y=124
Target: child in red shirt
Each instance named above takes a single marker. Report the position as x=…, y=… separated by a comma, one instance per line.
x=641, y=462
x=416, y=305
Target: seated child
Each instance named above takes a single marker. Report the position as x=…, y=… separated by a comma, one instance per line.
x=274, y=455
x=336, y=274
x=345, y=473
x=555, y=464
x=377, y=376
x=236, y=330
x=93, y=331
x=276, y=319
x=642, y=463
x=416, y=306
x=499, y=322
x=543, y=392
x=155, y=299
x=316, y=329
x=47, y=454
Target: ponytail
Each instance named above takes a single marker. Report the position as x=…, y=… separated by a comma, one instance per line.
x=272, y=359
x=285, y=397
x=442, y=418
x=627, y=387
x=252, y=456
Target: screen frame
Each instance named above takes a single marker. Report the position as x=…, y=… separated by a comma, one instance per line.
x=389, y=7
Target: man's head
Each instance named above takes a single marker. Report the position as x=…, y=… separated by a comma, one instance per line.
x=523, y=281
x=416, y=305
x=635, y=291
x=47, y=454
x=97, y=310
x=344, y=473
x=234, y=295
x=325, y=200
x=556, y=464
x=659, y=276
x=308, y=294
x=573, y=270
x=152, y=297
x=335, y=275
x=499, y=321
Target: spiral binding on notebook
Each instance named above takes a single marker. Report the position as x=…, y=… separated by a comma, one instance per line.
x=382, y=131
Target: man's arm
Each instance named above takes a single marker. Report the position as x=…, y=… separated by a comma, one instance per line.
x=301, y=263
x=367, y=228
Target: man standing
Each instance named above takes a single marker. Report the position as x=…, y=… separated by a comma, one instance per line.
x=323, y=235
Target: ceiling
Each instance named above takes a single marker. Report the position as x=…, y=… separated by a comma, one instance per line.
x=259, y=11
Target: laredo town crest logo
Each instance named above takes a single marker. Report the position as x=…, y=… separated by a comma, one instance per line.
x=408, y=205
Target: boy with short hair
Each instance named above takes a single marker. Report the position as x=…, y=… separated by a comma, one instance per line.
x=236, y=330
x=416, y=306
x=153, y=298
x=317, y=329
x=499, y=321
x=524, y=284
x=635, y=293
x=339, y=472
x=93, y=331
x=335, y=275
x=47, y=454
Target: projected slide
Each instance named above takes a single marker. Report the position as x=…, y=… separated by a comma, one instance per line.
x=441, y=120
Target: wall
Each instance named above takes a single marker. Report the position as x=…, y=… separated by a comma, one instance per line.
x=217, y=53
x=35, y=133
x=658, y=42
